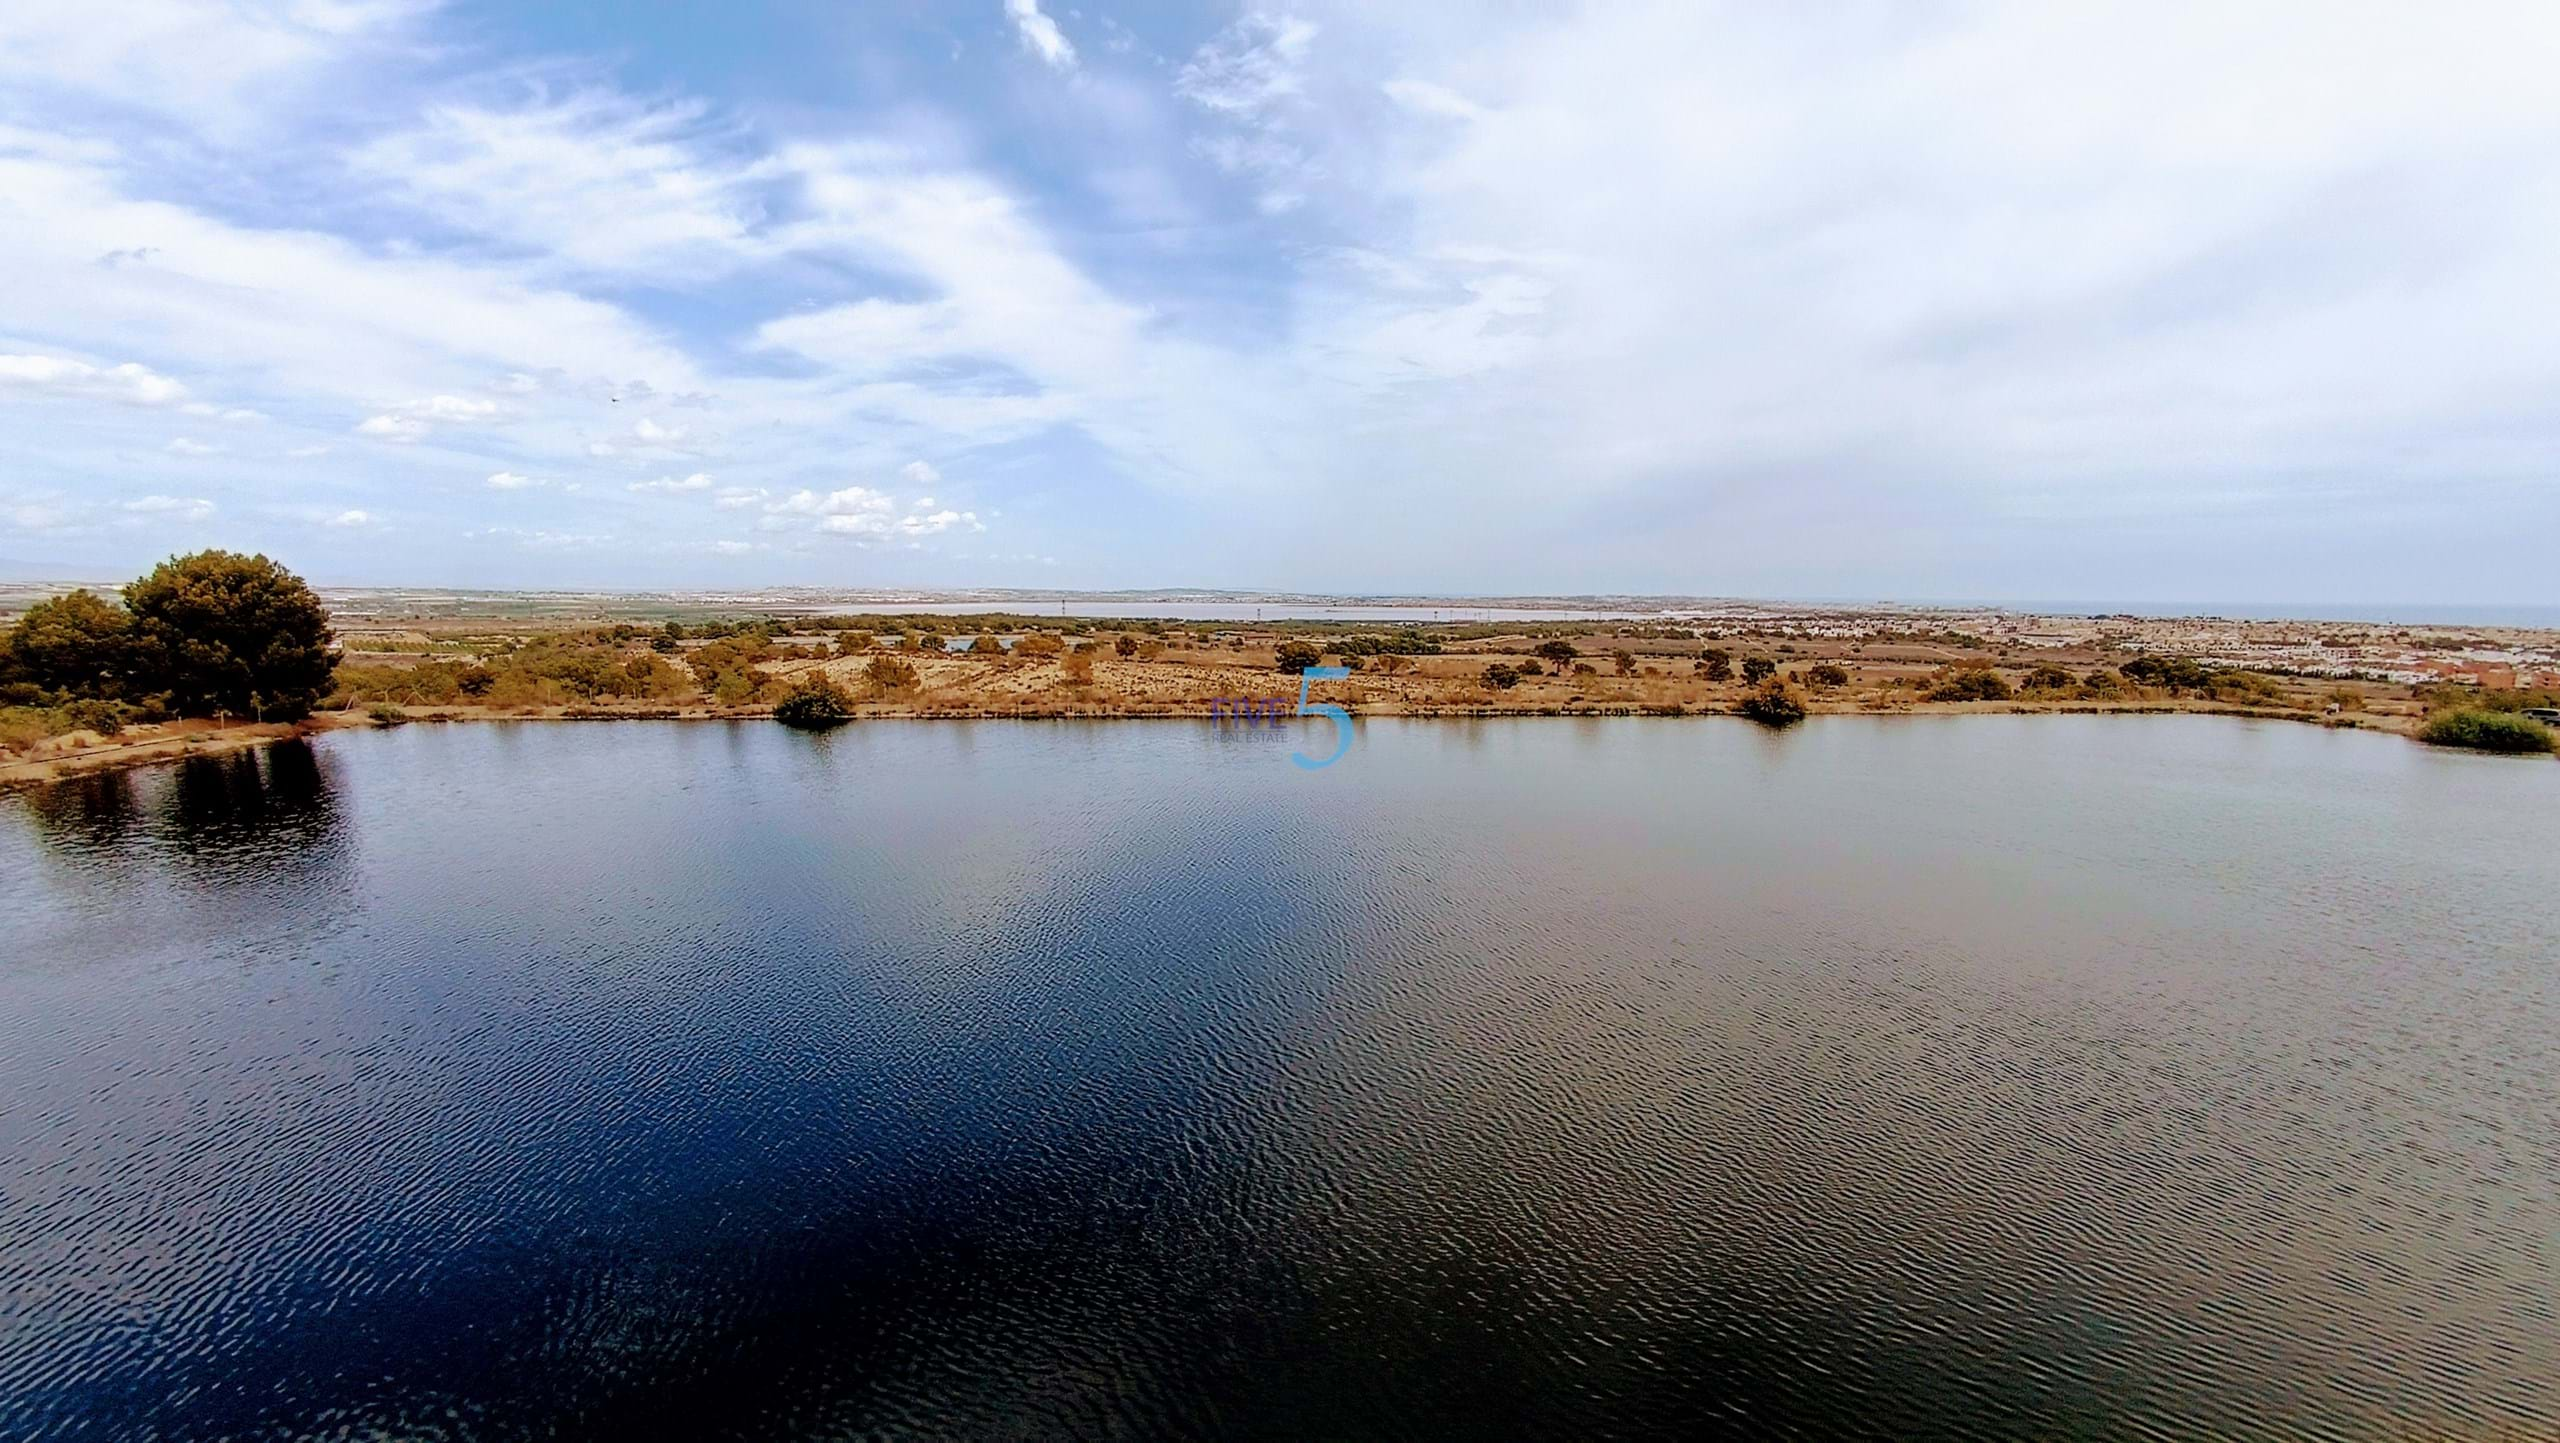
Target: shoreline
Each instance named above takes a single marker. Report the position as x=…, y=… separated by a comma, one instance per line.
x=186, y=740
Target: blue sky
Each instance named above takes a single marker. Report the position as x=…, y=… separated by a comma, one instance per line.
x=2141, y=302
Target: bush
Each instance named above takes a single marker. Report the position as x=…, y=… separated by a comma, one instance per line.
x=985, y=644
x=816, y=702
x=2102, y=683
x=2487, y=731
x=888, y=674
x=1125, y=644
x=2047, y=678
x=1624, y=660
x=1296, y=656
x=387, y=715
x=1561, y=653
x=1040, y=643
x=2174, y=672
x=1773, y=703
x=2246, y=687
x=1968, y=683
x=727, y=669
x=1531, y=668
x=89, y=714
x=1715, y=664
x=1826, y=674
x=1757, y=669
x=1498, y=677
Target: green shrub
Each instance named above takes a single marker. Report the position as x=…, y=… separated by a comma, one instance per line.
x=888, y=674
x=1498, y=677
x=2487, y=731
x=1757, y=669
x=814, y=703
x=1296, y=656
x=2174, y=672
x=1774, y=703
x=387, y=715
x=1826, y=674
x=89, y=714
x=2047, y=678
x=1968, y=683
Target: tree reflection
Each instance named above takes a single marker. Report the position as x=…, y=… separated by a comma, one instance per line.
x=273, y=808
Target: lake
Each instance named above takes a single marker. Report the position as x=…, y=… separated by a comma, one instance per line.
x=1919, y=1077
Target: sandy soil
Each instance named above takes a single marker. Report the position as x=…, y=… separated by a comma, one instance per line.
x=77, y=753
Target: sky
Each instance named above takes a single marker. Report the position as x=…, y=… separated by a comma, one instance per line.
x=2252, y=301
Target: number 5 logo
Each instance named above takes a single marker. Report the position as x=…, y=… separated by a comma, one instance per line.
x=1341, y=719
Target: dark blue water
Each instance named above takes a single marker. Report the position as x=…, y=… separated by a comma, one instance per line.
x=2014, y=1076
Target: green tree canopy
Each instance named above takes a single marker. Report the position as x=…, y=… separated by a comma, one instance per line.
x=79, y=643
x=222, y=631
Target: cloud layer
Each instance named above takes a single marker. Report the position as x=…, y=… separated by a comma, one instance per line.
x=1998, y=300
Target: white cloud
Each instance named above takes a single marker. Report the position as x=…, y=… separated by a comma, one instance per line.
x=402, y=430
x=1256, y=64
x=738, y=498
x=1040, y=34
x=672, y=485
x=542, y=540
x=511, y=481
x=1424, y=98
x=350, y=520
x=238, y=415
x=938, y=522
x=189, y=446
x=539, y=176
x=42, y=517
x=651, y=438
x=412, y=421
x=1252, y=78
x=130, y=382
x=865, y=514
x=175, y=508
x=223, y=67
x=919, y=473
x=850, y=501
x=304, y=453
x=281, y=307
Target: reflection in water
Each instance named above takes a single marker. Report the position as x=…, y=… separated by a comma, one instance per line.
x=1520, y=1079
x=255, y=840
x=274, y=797
x=86, y=812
